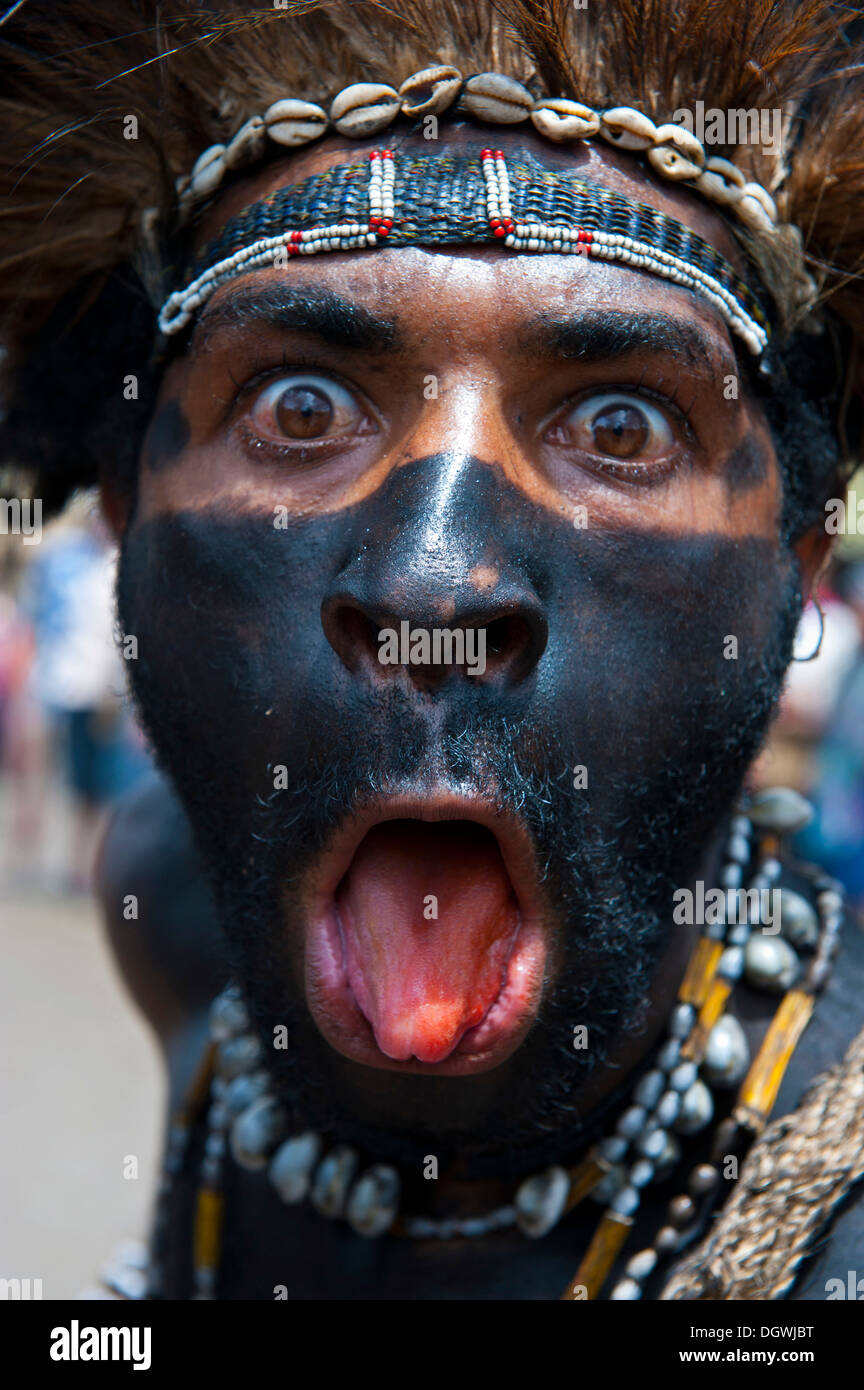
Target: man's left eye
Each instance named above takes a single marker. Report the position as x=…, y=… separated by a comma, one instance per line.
x=305, y=407
x=615, y=426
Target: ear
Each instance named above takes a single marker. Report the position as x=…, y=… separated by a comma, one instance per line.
x=814, y=551
x=115, y=506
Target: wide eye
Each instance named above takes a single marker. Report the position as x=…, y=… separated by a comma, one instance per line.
x=303, y=408
x=615, y=426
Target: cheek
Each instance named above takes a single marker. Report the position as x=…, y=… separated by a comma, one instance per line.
x=655, y=633
x=233, y=661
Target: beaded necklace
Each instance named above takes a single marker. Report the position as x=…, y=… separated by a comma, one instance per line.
x=705, y=1049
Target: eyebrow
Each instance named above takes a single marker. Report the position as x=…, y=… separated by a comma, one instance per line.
x=312, y=309
x=601, y=335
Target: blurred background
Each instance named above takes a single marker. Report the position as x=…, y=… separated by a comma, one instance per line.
x=81, y=1090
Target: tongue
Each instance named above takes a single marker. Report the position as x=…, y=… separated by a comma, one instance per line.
x=422, y=981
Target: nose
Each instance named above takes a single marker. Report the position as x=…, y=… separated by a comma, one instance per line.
x=437, y=585
x=493, y=640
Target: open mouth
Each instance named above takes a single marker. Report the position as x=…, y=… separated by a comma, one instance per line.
x=425, y=949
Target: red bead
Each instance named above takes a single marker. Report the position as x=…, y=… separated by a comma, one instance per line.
x=494, y=221
x=500, y=231
x=374, y=220
x=387, y=222
x=373, y=154
x=293, y=250
x=485, y=154
x=386, y=154
x=508, y=225
x=499, y=154
x=296, y=236
x=383, y=230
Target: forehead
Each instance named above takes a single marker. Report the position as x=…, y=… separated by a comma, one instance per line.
x=405, y=282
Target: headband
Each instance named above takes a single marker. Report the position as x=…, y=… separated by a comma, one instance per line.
x=435, y=199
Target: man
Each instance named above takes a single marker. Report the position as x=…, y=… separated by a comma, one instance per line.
x=466, y=514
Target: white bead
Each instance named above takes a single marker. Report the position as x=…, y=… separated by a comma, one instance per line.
x=625, y=1289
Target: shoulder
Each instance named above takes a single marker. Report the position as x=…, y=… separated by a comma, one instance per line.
x=159, y=916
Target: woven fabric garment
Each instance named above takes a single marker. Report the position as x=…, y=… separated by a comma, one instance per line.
x=795, y=1176
x=441, y=199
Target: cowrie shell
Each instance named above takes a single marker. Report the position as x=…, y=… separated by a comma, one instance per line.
x=672, y=164
x=715, y=164
x=559, y=119
x=430, y=91
x=207, y=171
x=490, y=96
x=291, y=122
x=753, y=214
x=627, y=128
x=715, y=187
x=247, y=145
x=364, y=108
x=755, y=190
x=681, y=139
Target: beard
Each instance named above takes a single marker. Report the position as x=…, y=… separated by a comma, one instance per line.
x=666, y=728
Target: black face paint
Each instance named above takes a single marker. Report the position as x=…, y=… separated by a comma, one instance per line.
x=167, y=437
x=627, y=674
x=746, y=467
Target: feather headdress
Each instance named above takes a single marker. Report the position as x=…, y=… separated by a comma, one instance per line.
x=76, y=174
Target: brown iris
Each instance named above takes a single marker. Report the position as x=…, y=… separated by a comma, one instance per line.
x=620, y=430
x=303, y=412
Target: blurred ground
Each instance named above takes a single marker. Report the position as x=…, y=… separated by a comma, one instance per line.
x=82, y=1092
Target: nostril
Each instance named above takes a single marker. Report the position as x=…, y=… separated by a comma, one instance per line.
x=505, y=636
x=352, y=634
x=511, y=645
x=503, y=648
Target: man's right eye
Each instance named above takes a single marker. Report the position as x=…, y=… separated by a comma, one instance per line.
x=304, y=407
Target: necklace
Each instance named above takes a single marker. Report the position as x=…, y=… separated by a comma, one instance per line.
x=705, y=1051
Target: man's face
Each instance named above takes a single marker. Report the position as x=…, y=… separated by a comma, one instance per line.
x=432, y=877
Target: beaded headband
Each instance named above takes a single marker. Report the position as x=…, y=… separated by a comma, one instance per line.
x=434, y=199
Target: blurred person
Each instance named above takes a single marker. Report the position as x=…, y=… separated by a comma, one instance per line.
x=74, y=721
x=836, y=836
